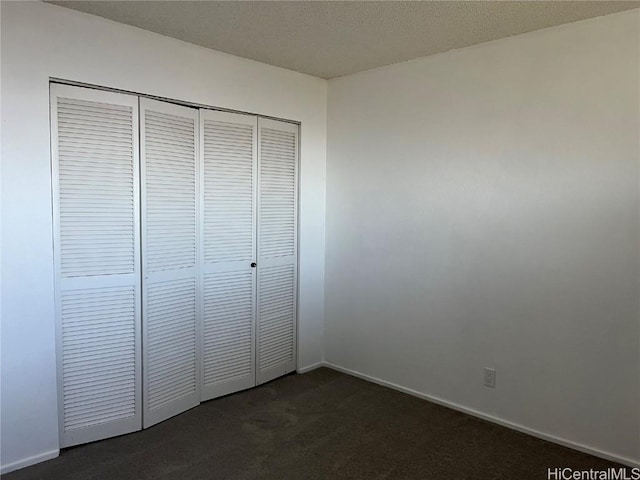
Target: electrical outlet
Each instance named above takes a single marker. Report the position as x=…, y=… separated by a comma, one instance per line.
x=490, y=377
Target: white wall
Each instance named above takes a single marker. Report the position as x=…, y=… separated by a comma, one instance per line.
x=483, y=210
x=41, y=41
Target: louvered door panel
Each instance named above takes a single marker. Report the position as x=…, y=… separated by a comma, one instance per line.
x=96, y=250
x=277, y=248
x=229, y=152
x=99, y=355
x=171, y=338
x=277, y=316
x=228, y=191
x=169, y=259
x=228, y=331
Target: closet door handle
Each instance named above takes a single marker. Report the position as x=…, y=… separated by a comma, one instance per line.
x=254, y=264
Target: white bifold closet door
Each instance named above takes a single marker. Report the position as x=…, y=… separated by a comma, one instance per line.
x=94, y=141
x=229, y=177
x=277, y=248
x=170, y=209
x=175, y=248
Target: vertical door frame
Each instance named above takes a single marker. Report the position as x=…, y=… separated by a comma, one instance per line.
x=298, y=127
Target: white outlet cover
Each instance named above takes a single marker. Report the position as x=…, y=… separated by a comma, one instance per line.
x=490, y=377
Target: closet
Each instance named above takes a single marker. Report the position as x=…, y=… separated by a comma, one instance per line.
x=175, y=252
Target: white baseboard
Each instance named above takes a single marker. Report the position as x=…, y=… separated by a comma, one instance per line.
x=311, y=367
x=505, y=423
x=25, y=462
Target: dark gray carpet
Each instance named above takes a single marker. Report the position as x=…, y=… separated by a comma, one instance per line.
x=321, y=425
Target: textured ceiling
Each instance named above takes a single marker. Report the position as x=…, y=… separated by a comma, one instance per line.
x=330, y=39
